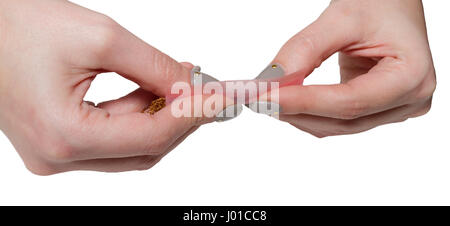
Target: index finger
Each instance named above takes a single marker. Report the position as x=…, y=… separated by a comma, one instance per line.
x=140, y=62
x=385, y=86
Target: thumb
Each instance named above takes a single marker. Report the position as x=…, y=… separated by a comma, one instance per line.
x=305, y=51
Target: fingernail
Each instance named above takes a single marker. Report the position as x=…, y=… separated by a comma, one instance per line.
x=229, y=113
x=272, y=71
x=267, y=108
x=199, y=78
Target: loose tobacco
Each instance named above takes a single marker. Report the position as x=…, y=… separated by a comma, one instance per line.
x=155, y=106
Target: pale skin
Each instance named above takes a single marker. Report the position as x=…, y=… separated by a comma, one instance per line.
x=386, y=68
x=51, y=50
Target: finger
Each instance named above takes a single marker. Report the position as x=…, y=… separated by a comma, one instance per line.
x=112, y=164
x=131, y=134
x=136, y=101
x=385, y=86
x=323, y=126
x=123, y=164
x=105, y=135
x=136, y=60
x=180, y=140
x=310, y=47
x=133, y=102
x=173, y=146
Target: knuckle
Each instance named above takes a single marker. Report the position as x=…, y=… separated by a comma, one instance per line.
x=419, y=79
x=304, y=41
x=168, y=67
x=423, y=110
x=300, y=48
x=427, y=88
x=106, y=31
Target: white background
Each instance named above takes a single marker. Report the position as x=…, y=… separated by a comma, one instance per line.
x=254, y=159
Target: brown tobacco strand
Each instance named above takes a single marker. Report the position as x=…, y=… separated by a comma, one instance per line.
x=155, y=106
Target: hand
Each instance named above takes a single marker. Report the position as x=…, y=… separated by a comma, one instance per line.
x=50, y=51
x=387, y=72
